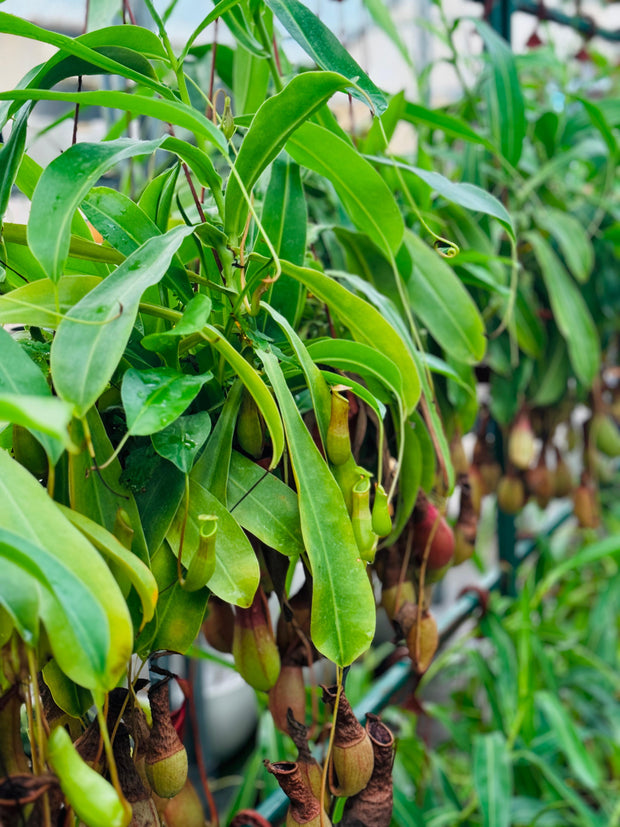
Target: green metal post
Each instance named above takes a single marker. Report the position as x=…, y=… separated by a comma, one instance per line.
x=499, y=18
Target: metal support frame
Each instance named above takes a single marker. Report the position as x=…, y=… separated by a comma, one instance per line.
x=500, y=13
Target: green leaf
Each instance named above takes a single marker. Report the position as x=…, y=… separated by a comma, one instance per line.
x=610, y=546
x=564, y=791
x=21, y=377
x=343, y=610
x=364, y=194
x=439, y=299
x=526, y=324
x=550, y=375
x=221, y=7
x=179, y=613
x=81, y=250
x=154, y=398
x=361, y=359
x=194, y=318
x=211, y=470
x=10, y=158
x=10, y=24
x=181, y=441
x=99, y=495
x=271, y=127
x=60, y=190
x=365, y=323
x=168, y=111
x=435, y=426
x=20, y=598
x=41, y=415
x=409, y=482
x=493, y=778
x=264, y=506
x=35, y=303
x=570, y=312
x=250, y=81
x=115, y=552
x=236, y=567
x=504, y=98
x=125, y=226
x=74, y=619
x=284, y=218
x=572, y=239
x=26, y=510
x=255, y=385
x=324, y=48
x=581, y=762
x=448, y=124
x=364, y=258
x=90, y=341
x=158, y=502
x=462, y=193
x=319, y=392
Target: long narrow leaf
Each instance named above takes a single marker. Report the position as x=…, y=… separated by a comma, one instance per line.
x=364, y=194
x=343, y=612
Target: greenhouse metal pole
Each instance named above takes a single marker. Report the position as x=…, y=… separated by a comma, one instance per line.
x=499, y=17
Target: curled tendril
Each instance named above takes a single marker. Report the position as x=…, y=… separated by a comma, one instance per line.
x=445, y=248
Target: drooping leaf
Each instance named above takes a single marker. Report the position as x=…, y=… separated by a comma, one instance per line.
x=272, y=125
x=19, y=597
x=319, y=392
x=34, y=303
x=27, y=511
x=364, y=194
x=324, y=48
x=76, y=624
x=343, y=612
x=462, y=193
x=81, y=47
x=570, y=311
x=359, y=358
x=211, y=470
x=91, y=339
x=114, y=551
x=154, y=398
